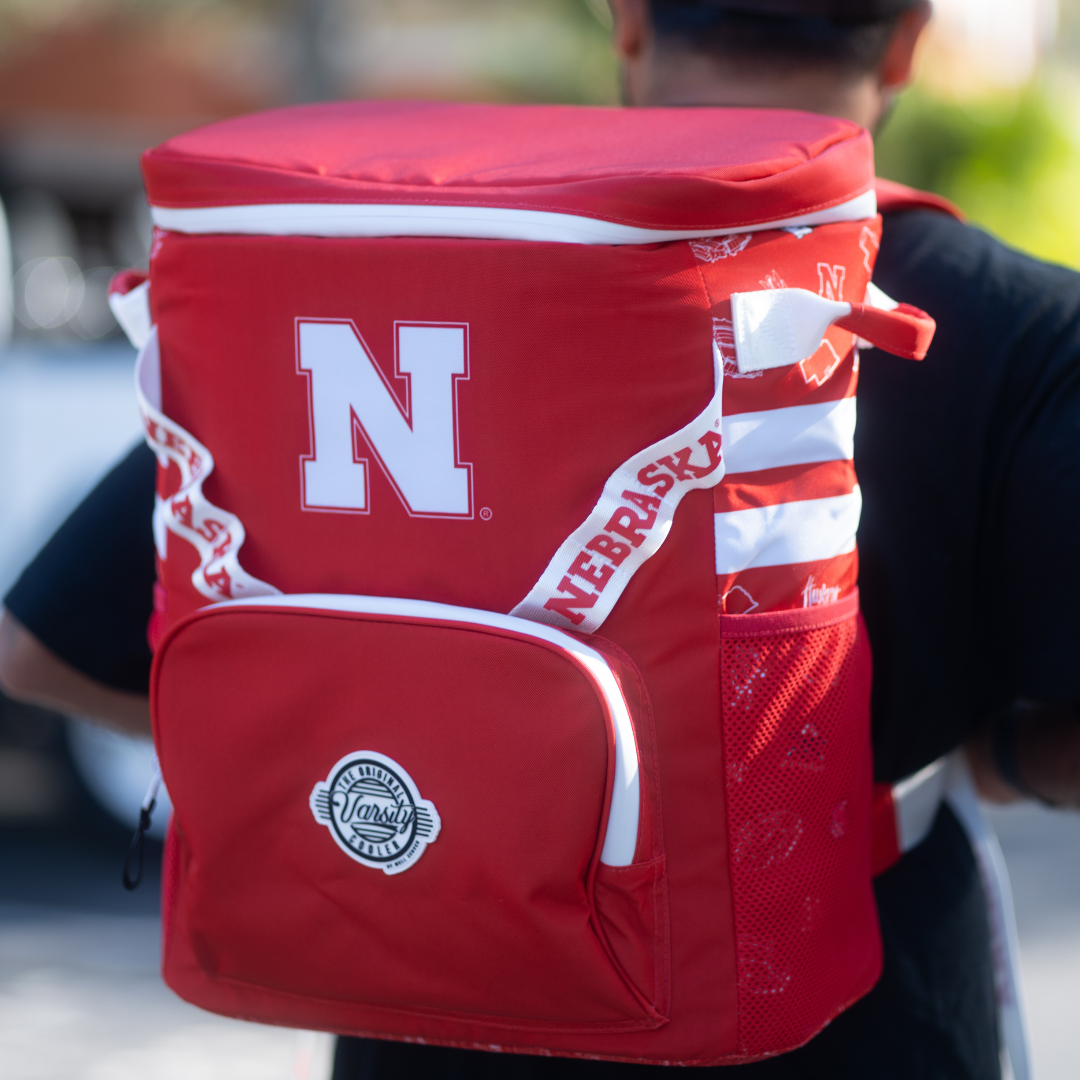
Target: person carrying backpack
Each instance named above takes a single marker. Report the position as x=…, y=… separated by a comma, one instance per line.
x=950, y=453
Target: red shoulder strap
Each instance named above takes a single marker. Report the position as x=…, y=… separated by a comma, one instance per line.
x=893, y=196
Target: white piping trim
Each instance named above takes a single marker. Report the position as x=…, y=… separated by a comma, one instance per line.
x=620, y=840
x=465, y=222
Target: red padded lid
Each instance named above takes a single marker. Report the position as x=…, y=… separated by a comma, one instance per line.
x=690, y=168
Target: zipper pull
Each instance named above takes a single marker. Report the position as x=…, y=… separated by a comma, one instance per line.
x=138, y=841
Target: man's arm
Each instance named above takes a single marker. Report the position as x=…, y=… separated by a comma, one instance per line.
x=30, y=672
x=1040, y=743
x=73, y=627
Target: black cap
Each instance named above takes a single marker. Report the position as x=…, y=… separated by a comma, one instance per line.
x=846, y=10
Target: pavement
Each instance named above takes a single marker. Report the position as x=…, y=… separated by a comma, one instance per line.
x=81, y=995
x=81, y=999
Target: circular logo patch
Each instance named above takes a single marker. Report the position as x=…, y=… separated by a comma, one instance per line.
x=374, y=812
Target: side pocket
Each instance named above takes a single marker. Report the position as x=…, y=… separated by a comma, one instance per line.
x=631, y=907
x=795, y=698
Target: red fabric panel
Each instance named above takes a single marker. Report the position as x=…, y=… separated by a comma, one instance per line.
x=790, y=483
x=528, y=414
x=797, y=585
x=155, y=628
x=832, y=260
x=126, y=280
x=632, y=907
x=653, y=168
x=885, y=851
x=792, y=622
x=551, y=407
x=796, y=716
x=666, y=620
x=892, y=196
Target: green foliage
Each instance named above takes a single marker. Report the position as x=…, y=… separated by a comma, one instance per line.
x=1010, y=162
x=552, y=51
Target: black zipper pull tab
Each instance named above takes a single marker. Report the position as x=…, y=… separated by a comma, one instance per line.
x=135, y=851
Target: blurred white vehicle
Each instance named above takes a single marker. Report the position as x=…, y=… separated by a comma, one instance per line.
x=67, y=414
x=116, y=770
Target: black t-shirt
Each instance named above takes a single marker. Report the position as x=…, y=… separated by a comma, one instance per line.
x=969, y=464
x=970, y=471
x=88, y=594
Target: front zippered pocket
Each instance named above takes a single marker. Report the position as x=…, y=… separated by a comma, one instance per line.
x=411, y=806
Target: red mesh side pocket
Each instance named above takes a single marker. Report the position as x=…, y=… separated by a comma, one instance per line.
x=795, y=697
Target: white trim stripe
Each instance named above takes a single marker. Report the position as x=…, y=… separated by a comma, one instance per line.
x=798, y=435
x=810, y=530
x=463, y=222
x=916, y=800
x=620, y=840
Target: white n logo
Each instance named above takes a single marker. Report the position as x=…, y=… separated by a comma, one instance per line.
x=415, y=444
x=831, y=279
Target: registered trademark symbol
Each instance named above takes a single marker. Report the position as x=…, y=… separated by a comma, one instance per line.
x=485, y=513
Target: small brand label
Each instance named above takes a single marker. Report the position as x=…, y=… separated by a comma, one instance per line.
x=814, y=594
x=374, y=812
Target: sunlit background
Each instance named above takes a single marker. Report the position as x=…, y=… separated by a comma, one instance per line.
x=993, y=123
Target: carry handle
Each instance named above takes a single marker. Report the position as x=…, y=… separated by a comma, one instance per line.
x=904, y=331
x=781, y=327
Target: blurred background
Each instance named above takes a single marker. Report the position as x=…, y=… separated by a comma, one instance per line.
x=993, y=123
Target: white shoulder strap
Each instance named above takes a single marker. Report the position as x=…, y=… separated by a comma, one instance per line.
x=215, y=534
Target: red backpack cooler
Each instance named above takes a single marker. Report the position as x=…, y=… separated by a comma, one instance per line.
x=510, y=685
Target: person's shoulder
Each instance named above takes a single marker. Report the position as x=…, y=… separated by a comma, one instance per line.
x=955, y=270
x=930, y=240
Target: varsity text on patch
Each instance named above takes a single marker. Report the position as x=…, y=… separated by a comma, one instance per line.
x=374, y=812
